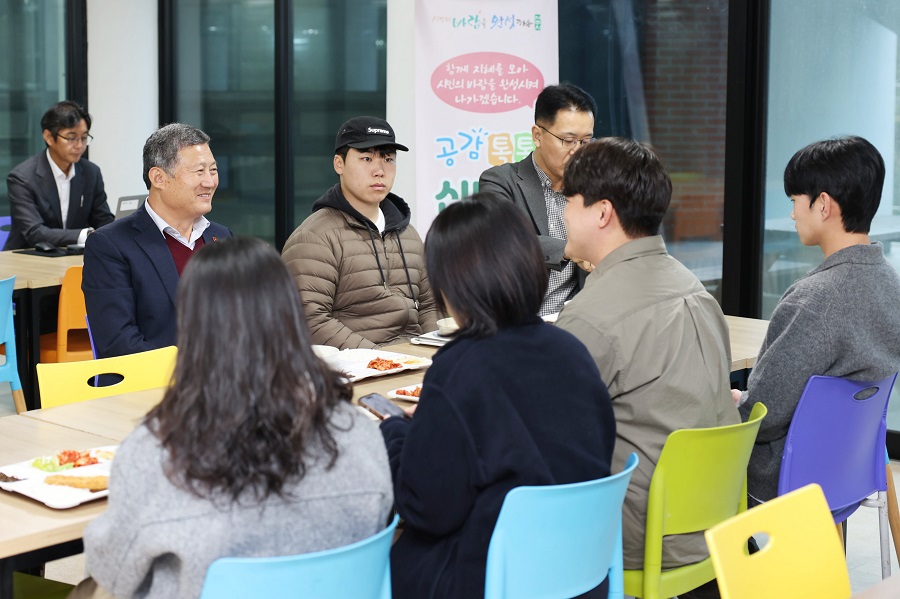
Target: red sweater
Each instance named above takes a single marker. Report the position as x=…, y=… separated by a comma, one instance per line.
x=182, y=253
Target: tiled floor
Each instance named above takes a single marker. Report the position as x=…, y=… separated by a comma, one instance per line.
x=863, y=558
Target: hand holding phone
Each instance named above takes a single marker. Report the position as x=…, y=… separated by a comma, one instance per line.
x=381, y=406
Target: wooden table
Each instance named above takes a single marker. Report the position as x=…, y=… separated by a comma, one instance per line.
x=31, y=533
x=889, y=588
x=747, y=335
x=38, y=279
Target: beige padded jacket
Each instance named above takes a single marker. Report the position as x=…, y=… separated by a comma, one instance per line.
x=360, y=288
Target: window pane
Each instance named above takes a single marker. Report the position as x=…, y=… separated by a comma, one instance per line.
x=225, y=86
x=339, y=72
x=658, y=72
x=33, y=33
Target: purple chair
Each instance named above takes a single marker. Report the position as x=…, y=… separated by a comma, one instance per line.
x=836, y=440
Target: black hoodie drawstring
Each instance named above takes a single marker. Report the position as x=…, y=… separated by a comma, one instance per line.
x=406, y=268
x=412, y=295
x=377, y=259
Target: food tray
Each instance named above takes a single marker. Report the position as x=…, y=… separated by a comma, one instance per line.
x=354, y=362
x=394, y=395
x=54, y=496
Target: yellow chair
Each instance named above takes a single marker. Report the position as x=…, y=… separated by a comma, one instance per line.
x=803, y=556
x=70, y=342
x=699, y=481
x=71, y=382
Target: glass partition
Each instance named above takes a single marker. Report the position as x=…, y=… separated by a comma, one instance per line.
x=340, y=56
x=657, y=70
x=34, y=34
x=225, y=77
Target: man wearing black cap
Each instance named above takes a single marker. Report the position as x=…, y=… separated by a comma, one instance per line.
x=358, y=263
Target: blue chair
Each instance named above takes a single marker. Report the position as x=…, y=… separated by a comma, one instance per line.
x=559, y=540
x=836, y=440
x=5, y=227
x=9, y=371
x=360, y=570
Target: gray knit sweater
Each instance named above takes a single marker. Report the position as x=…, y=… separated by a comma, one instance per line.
x=842, y=319
x=157, y=540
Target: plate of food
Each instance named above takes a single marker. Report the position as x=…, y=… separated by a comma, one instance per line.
x=62, y=480
x=359, y=364
x=410, y=393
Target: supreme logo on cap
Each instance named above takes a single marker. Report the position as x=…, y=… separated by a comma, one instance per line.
x=377, y=131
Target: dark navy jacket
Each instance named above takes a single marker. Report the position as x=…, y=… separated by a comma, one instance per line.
x=130, y=283
x=524, y=407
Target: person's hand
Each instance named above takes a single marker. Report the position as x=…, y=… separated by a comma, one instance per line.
x=411, y=409
x=583, y=264
x=736, y=396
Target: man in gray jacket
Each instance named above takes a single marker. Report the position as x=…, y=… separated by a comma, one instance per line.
x=842, y=319
x=659, y=339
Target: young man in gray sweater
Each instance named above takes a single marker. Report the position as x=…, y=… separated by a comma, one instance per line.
x=843, y=318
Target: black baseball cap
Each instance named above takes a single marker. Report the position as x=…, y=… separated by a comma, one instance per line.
x=365, y=132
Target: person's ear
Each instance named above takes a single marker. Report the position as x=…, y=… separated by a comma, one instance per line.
x=49, y=138
x=827, y=206
x=604, y=212
x=338, y=164
x=536, y=136
x=158, y=177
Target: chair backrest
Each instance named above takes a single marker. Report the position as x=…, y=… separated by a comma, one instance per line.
x=701, y=478
x=70, y=382
x=802, y=558
x=72, y=311
x=361, y=570
x=836, y=440
x=558, y=540
x=5, y=227
x=9, y=371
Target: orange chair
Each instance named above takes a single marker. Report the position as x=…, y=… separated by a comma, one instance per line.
x=70, y=342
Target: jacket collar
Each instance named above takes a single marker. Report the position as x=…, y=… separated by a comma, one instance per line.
x=396, y=211
x=636, y=248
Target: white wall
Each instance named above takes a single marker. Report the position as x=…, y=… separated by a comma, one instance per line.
x=123, y=89
x=401, y=112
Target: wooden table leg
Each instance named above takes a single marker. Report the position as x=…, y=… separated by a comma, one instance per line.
x=893, y=511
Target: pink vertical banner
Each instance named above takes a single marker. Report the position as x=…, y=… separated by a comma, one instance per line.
x=479, y=67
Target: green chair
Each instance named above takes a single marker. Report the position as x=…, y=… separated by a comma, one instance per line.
x=26, y=586
x=699, y=481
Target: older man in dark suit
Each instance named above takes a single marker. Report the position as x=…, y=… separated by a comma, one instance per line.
x=57, y=196
x=563, y=122
x=132, y=267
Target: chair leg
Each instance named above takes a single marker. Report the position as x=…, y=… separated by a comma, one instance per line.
x=893, y=511
x=19, y=400
x=883, y=536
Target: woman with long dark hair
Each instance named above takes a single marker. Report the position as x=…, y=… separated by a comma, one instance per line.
x=511, y=401
x=255, y=449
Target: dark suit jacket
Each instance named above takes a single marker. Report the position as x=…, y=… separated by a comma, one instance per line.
x=34, y=203
x=519, y=182
x=129, y=285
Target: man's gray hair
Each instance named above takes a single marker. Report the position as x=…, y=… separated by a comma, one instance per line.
x=161, y=149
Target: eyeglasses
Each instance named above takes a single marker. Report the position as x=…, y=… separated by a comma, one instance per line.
x=568, y=143
x=86, y=140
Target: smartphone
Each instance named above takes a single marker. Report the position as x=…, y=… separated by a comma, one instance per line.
x=381, y=406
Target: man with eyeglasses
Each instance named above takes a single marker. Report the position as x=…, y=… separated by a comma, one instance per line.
x=563, y=122
x=57, y=196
